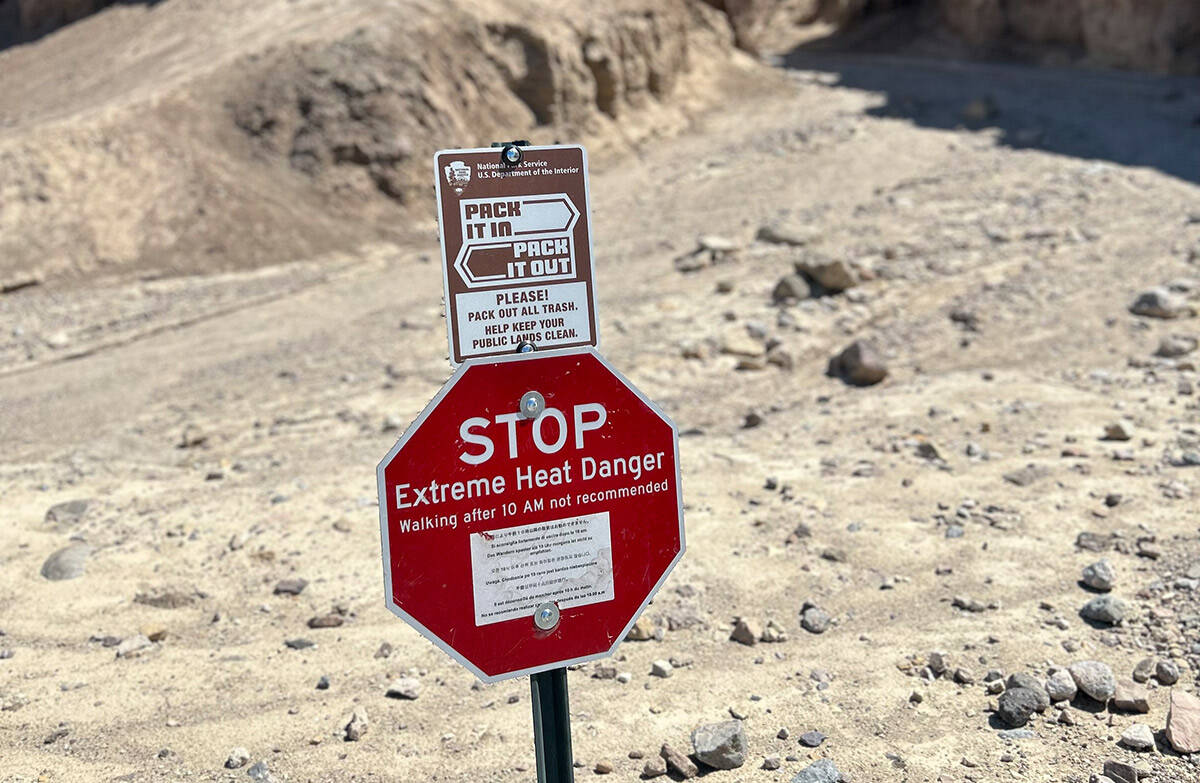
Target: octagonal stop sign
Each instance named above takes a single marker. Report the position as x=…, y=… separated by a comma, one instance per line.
x=530, y=512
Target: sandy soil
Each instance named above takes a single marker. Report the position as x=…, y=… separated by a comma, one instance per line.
x=225, y=429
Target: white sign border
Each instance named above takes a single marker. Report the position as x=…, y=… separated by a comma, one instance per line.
x=412, y=430
x=587, y=212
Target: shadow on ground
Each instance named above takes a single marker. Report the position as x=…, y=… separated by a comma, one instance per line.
x=17, y=27
x=1132, y=119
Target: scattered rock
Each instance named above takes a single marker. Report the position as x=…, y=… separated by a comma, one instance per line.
x=323, y=683
x=1131, y=698
x=654, y=767
x=642, y=631
x=67, y=513
x=294, y=586
x=834, y=275
x=1029, y=682
x=67, y=563
x=1159, y=302
x=858, y=364
x=1095, y=679
x=1106, y=609
x=1060, y=686
x=300, y=644
x=772, y=763
x=681, y=764
x=746, y=632
x=238, y=758
x=814, y=619
x=384, y=651
x=773, y=633
x=791, y=288
x=720, y=745
x=1183, y=722
x=602, y=768
x=261, y=773
x=661, y=668
x=823, y=771
x=404, y=688
x=326, y=621
x=784, y=234
x=1175, y=345
x=1166, y=672
x=1027, y=475
x=133, y=646
x=812, y=739
x=968, y=604
x=1017, y=704
x=1120, y=772
x=1119, y=430
x=356, y=726
x=1144, y=670
x=1100, y=576
x=1138, y=737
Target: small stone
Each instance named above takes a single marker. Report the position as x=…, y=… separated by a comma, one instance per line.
x=791, y=288
x=260, y=773
x=1100, y=576
x=1095, y=679
x=384, y=651
x=1138, y=737
x=1066, y=718
x=1144, y=670
x=323, y=683
x=858, y=364
x=786, y=234
x=238, y=758
x=773, y=633
x=771, y=763
x=642, y=631
x=1060, y=686
x=823, y=771
x=153, y=632
x=66, y=513
x=682, y=765
x=1131, y=698
x=720, y=745
x=1159, y=302
x=1026, y=476
x=66, y=563
x=1175, y=345
x=1120, y=772
x=1119, y=430
x=660, y=668
x=746, y=632
x=938, y=662
x=1017, y=704
x=1106, y=609
x=811, y=739
x=1166, y=672
x=326, y=621
x=356, y=726
x=1022, y=680
x=1183, y=722
x=655, y=767
x=814, y=619
x=964, y=676
x=404, y=688
x=290, y=586
x=602, y=768
x=134, y=646
x=834, y=275
x=299, y=644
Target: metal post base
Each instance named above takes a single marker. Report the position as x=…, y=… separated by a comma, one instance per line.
x=552, y=726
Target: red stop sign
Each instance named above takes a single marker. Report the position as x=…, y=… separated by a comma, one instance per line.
x=520, y=538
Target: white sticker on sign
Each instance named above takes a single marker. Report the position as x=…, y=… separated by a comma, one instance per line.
x=547, y=316
x=515, y=570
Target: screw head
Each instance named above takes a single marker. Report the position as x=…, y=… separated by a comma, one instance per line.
x=546, y=616
x=532, y=404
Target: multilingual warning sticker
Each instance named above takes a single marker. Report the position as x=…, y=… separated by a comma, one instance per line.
x=566, y=561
